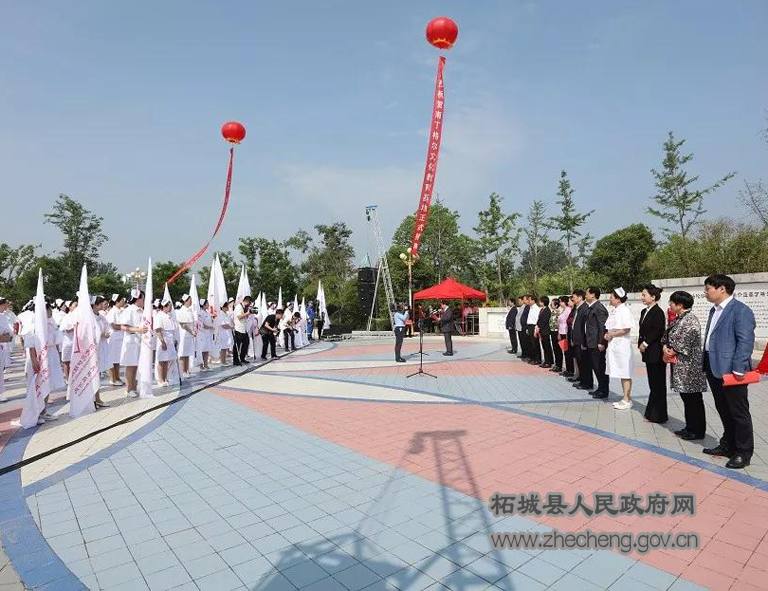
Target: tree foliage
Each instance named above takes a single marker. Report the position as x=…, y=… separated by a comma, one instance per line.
x=536, y=233
x=497, y=240
x=81, y=231
x=620, y=257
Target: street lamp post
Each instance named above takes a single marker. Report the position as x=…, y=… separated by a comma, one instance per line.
x=408, y=258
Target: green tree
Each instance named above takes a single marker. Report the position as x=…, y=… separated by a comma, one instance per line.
x=444, y=251
x=569, y=222
x=677, y=202
x=162, y=272
x=231, y=270
x=269, y=266
x=14, y=262
x=621, y=256
x=58, y=281
x=536, y=237
x=301, y=242
x=81, y=230
x=331, y=260
x=498, y=240
x=720, y=246
x=105, y=280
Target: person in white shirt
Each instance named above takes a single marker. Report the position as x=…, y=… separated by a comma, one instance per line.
x=6, y=338
x=224, y=338
x=242, y=321
x=205, y=336
x=115, y=341
x=187, y=333
x=133, y=327
x=166, y=348
x=619, y=350
x=67, y=328
x=530, y=329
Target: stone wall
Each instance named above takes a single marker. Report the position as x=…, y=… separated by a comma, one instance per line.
x=752, y=289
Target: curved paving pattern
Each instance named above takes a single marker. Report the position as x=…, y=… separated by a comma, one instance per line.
x=332, y=470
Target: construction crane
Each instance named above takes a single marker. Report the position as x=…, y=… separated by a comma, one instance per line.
x=371, y=214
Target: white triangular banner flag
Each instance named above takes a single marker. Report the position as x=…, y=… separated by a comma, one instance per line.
x=38, y=383
x=84, y=377
x=145, y=370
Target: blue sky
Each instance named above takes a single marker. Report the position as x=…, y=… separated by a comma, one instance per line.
x=119, y=105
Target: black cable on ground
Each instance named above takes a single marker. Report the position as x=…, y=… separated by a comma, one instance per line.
x=26, y=461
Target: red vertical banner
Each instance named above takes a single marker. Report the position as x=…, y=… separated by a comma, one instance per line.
x=430, y=169
x=198, y=255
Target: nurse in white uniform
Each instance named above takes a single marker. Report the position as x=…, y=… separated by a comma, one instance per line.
x=6, y=338
x=187, y=333
x=166, y=348
x=133, y=327
x=67, y=328
x=114, y=318
x=205, y=337
x=102, y=352
x=224, y=339
x=618, y=357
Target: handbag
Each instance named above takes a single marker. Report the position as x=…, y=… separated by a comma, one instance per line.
x=751, y=377
x=563, y=345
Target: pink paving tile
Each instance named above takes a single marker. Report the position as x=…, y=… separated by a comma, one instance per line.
x=516, y=454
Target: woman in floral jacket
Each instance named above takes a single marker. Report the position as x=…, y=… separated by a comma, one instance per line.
x=683, y=341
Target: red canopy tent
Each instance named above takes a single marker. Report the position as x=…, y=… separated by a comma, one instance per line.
x=450, y=289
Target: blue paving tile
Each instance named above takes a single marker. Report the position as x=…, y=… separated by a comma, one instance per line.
x=304, y=573
x=154, y=563
x=206, y=565
x=118, y=574
x=224, y=580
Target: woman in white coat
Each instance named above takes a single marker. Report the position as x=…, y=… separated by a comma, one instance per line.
x=187, y=333
x=618, y=357
x=205, y=336
x=224, y=339
x=166, y=348
x=133, y=327
x=67, y=328
x=114, y=318
x=6, y=338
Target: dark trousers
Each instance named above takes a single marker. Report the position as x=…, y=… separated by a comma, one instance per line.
x=568, y=355
x=270, y=341
x=399, y=334
x=554, y=338
x=732, y=405
x=512, y=340
x=546, y=345
x=695, y=417
x=240, y=348
x=523, y=344
x=656, y=409
x=409, y=330
x=597, y=363
x=289, y=335
x=534, y=350
x=585, y=368
x=448, y=342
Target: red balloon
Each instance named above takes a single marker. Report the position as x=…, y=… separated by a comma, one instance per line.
x=442, y=32
x=233, y=132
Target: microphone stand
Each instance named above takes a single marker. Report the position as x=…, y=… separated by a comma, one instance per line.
x=421, y=357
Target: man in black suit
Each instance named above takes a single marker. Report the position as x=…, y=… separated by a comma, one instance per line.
x=653, y=324
x=594, y=335
x=446, y=327
x=525, y=354
x=510, y=325
x=542, y=332
x=578, y=342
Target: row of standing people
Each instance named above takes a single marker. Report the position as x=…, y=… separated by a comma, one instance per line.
x=576, y=336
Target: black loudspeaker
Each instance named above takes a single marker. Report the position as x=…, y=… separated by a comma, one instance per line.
x=366, y=285
x=366, y=275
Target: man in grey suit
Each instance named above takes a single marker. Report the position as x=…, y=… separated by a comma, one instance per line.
x=446, y=327
x=594, y=336
x=728, y=346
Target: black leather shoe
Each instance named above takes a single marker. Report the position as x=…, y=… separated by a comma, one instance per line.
x=688, y=436
x=717, y=451
x=555, y=369
x=446, y=354
x=681, y=432
x=598, y=394
x=573, y=379
x=582, y=387
x=545, y=366
x=737, y=462
x=400, y=360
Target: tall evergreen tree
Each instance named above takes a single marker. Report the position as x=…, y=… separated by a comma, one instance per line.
x=569, y=222
x=536, y=236
x=81, y=230
x=498, y=238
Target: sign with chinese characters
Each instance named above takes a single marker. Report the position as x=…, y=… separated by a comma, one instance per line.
x=430, y=169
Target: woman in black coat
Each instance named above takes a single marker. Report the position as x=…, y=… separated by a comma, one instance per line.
x=653, y=324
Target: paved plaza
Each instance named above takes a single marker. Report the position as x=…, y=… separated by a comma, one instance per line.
x=331, y=469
